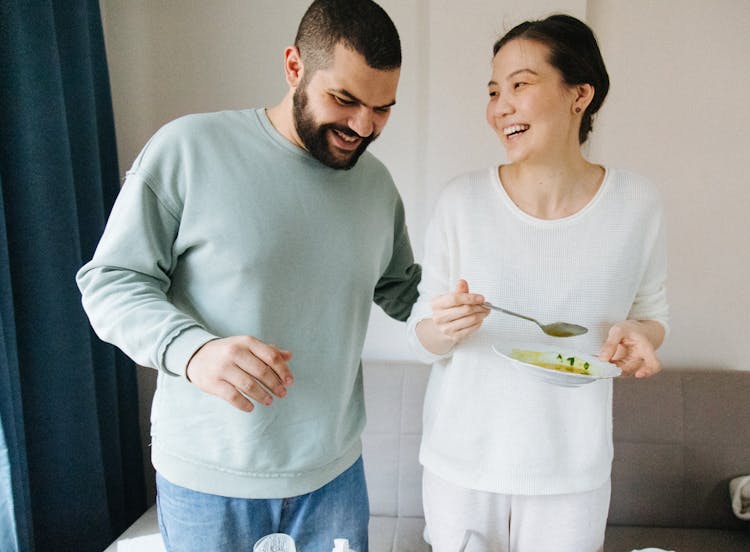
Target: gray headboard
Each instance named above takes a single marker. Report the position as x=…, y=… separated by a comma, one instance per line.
x=679, y=438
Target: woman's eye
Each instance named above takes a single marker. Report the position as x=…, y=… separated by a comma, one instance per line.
x=517, y=85
x=493, y=94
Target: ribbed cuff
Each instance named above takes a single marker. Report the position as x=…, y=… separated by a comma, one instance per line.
x=421, y=352
x=183, y=347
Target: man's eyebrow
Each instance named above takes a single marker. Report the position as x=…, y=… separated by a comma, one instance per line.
x=352, y=97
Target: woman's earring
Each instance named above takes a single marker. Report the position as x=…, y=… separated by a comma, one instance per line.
x=578, y=109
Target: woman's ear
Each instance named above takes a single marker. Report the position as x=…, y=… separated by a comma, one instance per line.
x=293, y=67
x=584, y=96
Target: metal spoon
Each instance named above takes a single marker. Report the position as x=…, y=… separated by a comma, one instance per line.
x=556, y=329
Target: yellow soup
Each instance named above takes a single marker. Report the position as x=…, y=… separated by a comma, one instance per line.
x=552, y=361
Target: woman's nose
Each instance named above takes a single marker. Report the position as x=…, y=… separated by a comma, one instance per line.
x=502, y=106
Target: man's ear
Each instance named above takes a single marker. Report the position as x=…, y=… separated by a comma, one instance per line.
x=293, y=67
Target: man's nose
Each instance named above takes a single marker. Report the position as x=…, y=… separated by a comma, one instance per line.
x=362, y=122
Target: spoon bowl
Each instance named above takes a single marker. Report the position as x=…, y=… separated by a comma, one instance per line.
x=555, y=329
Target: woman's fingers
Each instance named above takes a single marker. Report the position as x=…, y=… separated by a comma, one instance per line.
x=454, y=322
x=630, y=350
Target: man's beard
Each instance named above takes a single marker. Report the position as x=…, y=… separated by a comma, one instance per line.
x=315, y=136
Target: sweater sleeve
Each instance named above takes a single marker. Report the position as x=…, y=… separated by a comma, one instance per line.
x=125, y=286
x=396, y=291
x=651, y=299
x=435, y=279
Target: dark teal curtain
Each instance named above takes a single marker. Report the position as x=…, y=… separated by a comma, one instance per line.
x=71, y=474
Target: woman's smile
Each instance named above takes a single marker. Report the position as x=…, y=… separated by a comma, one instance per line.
x=515, y=130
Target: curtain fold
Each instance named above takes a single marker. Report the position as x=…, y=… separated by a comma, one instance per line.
x=14, y=534
x=68, y=402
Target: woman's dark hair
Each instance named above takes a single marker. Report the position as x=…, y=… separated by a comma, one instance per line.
x=360, y=25
x=573, y=51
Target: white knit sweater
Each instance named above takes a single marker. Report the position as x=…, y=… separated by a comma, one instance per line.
x=487, y=426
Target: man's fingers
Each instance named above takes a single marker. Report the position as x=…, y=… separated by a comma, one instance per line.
x=241, y=369
x=228, y=392
x=265, y=364
x=275, y=358
x=249, y=386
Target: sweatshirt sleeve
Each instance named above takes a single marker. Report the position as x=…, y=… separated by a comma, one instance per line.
x=125, y=286
x=396, y=291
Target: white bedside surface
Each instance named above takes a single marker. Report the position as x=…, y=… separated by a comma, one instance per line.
x=142, y=536
x=387, y=534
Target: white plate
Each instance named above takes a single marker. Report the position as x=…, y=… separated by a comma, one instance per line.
x=598, y=369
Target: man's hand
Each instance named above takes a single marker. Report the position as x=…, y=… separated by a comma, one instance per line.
x=241, y=368
x=631, y=345
x=455, y=316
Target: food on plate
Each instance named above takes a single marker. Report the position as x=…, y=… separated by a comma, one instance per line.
x=553, y=361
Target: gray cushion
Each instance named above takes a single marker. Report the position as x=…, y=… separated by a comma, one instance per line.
x=625, y=539
x=679, y=437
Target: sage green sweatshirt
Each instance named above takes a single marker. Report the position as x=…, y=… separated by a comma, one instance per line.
x=224, y=228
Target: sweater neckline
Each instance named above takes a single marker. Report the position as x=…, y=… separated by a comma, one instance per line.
x=520, y=213
x=265, y=122
x=272, y=132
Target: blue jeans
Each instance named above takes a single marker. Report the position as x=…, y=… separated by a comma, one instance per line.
x=192, y=521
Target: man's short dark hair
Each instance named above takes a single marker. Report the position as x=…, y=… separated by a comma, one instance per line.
x=360, y=25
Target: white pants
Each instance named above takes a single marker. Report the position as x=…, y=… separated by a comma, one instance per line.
x=460, y=519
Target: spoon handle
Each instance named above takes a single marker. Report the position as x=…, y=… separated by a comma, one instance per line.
x=506, y=311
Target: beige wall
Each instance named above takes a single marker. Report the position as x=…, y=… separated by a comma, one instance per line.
x=677, y=113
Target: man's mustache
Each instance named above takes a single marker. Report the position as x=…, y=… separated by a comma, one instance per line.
x=349, y=132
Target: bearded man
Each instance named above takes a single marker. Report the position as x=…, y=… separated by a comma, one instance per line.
x=241, y=261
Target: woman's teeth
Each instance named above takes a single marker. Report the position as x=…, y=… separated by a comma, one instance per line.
x=515, y=129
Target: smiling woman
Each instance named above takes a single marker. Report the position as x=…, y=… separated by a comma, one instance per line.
x=547, y=212
x=577, y=62
x=525, y=89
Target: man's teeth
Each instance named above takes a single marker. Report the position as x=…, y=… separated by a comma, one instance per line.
x=515, y=128
x=346, y=137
